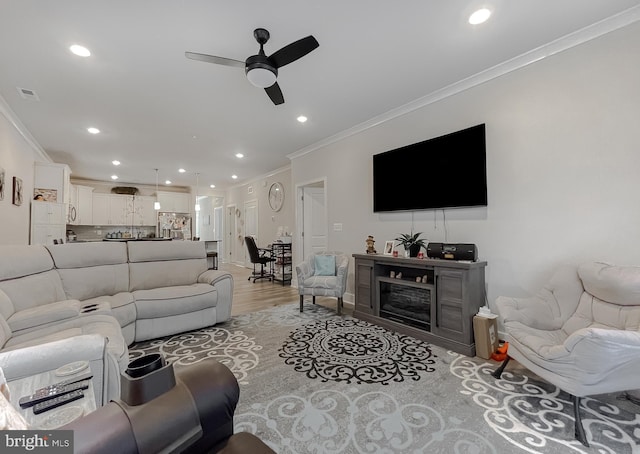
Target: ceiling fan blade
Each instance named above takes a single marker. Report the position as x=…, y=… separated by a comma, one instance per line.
x=213, y=59
x=293, y=51
x=275, y=94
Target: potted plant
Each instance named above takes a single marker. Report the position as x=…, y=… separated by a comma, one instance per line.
x=412, y=243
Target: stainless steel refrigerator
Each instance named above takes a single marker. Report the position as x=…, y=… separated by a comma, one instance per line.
x=176, y=226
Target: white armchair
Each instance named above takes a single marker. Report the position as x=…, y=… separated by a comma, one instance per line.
x=323, y=274
x=580, y=333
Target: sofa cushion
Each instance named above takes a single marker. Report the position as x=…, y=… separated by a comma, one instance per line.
x=23, y=260
x=88, y=270
x=164, y=302
x=5, y=332
x=85, y=255
x=36, y=317
x=104, y=325
x=33, y=290
x=155, y=264
x=122, y=306
x=614, y=284
x=321, y=282
x=324, y=265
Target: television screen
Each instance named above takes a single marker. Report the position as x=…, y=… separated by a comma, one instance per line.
x=444, y=172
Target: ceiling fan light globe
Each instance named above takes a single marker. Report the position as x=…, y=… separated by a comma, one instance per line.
x=261, y=77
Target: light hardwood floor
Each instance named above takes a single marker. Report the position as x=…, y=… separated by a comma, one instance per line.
x=250, y=297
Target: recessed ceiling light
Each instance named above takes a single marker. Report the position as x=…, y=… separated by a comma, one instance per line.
x=114, y=177
x=235, y=177
x=93, y=130
x=212, y=186
x=479, y=16
x=302, y=118
x=80, y=51
x=239, y=155
x=167, y=182
x=181, y=170
x=115, y=163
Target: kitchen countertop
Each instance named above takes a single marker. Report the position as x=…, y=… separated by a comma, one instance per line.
x=136, y=239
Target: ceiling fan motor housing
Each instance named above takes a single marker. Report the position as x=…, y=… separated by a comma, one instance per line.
x=260, y=71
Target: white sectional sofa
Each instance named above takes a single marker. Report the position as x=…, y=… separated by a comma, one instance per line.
x=109, y=293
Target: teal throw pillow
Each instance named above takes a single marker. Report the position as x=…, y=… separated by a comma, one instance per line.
x=325, y=265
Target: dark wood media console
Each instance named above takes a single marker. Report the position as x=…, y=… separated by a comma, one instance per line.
x=438, y=309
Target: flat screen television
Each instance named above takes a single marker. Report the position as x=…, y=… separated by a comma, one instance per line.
x=445, y=172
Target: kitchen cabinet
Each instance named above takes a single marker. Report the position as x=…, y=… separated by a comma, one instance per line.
x=144, y=214
x=48, y=222
x=125, y=210
x=81, y=205
x=48, y=175
x=177, y=202
x=109, y=209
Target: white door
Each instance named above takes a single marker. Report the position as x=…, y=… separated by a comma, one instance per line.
x=251, y=226
x=217, y=231
x=314, y=221
x=233, y=235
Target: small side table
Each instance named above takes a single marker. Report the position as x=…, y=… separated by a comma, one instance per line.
x=26, y=386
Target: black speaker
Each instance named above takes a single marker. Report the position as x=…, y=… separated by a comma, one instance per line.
x=452, y=251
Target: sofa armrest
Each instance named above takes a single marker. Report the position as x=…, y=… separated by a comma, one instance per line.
x=223, y=283
x=342, y=271
x=27, y=361
x=303, y=272
x=36, y=317
x=23, y=362
x=212, y=277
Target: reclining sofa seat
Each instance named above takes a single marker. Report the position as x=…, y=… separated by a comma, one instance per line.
x=174, y=290
x=34, y=310
x=95, y=273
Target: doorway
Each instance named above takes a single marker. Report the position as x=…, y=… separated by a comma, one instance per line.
x=311, y=218
x=232, y=234
x=250, y=226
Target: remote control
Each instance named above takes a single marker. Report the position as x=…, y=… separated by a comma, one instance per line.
x=57, y=401
x=50, y=392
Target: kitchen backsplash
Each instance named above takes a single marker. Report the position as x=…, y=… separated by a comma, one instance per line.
x=92, y=232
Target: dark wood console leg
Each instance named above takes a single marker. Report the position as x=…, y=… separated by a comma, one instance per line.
x=498, y=372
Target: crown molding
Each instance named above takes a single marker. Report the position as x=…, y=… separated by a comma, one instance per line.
x=11, y=116
x=576, y=38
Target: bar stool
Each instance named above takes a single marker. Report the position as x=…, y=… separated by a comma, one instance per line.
x=213, y=255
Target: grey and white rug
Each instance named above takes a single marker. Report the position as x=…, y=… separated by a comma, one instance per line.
x=315, y=382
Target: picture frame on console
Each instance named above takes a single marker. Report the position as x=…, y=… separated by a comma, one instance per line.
x=388, y=247
x=17, y=191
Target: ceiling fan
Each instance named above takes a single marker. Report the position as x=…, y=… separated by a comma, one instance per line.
x=262, y=71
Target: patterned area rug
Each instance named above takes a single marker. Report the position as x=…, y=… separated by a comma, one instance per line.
x=315, y=382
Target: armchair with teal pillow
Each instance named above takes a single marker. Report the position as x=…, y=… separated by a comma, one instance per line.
x=323, y=274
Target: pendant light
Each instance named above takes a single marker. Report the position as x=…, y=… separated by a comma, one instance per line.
x=197, y=207
x=156, y=204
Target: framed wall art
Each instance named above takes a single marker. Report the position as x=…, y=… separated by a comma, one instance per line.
x=1, y=183
x=17, y=191
x=48, y=195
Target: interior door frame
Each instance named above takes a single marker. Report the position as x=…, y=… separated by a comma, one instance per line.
x=298, y=252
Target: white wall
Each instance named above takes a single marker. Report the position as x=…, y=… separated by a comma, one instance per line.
x=563, y=162
x=16, y=158
x=268, y=221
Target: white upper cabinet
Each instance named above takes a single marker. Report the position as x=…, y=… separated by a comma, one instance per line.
x=178, y=202
x=49, y=176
